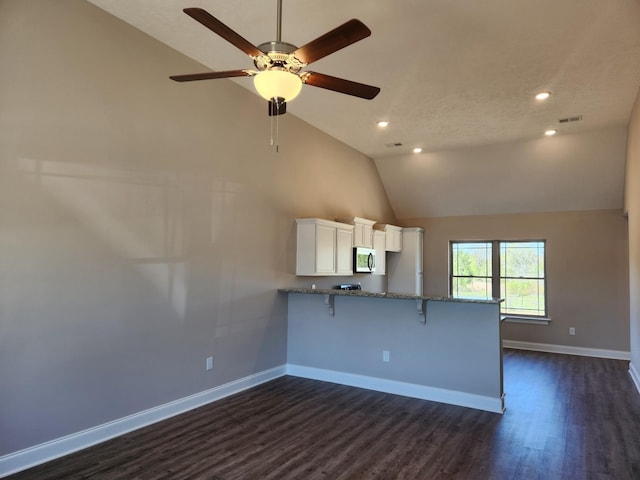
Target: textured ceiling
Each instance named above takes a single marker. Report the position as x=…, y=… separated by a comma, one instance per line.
x=453, y=74
x=581, y=171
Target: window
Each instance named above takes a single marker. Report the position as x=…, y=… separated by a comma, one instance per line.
x=512, y=270
x=471, y=267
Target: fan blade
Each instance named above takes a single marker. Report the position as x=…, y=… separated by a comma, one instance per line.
x=340, y=85
x=215, y=25
x=340, y=37
x=211, y=75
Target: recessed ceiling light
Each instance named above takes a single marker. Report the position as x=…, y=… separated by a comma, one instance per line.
x=383, y=123
x=417, y=150
x=550, y=133
x=543, y=95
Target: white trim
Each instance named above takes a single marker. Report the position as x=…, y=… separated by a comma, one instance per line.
x=423, y=392
x=568, y=350
x=32, y=456
x=529, y=320
x=635, y=376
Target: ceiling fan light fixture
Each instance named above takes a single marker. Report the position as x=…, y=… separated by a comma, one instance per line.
x=275, y=83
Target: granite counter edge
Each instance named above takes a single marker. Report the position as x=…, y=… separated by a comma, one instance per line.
x=400, y=296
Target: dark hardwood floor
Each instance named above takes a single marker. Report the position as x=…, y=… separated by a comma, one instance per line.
x=567, y=417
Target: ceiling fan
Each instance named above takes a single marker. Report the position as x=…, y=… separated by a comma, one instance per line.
x=278, y=76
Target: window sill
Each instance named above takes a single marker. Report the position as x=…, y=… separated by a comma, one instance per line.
x=529, y=320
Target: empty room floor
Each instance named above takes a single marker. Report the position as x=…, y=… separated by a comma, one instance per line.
x=567, y=417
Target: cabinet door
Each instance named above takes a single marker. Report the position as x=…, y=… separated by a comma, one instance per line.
x=362, y=235
x=344, y=252
x=367, y=236
x=397, y=240
x=379, y=242
x=394, y=240
x=362, y=230
x=358, y=235
x=325, y=249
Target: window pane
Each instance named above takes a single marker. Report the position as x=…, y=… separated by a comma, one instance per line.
x=471, y=287
x=523, y=297
x=471, y=259
x=522, y=259
x=521, y=278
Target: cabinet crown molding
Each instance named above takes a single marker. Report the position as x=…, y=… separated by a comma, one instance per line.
x=364, y=221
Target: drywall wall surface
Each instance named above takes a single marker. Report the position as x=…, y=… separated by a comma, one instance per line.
x=587, y=270
x=456, y=348
x=632, y=207
x=144, y=224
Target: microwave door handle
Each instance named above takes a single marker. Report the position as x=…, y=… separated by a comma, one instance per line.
x=370, y=261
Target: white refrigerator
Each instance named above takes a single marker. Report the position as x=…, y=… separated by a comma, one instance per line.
x=405, y=268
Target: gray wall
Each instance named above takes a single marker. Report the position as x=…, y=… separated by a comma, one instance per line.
x=587, y=271
x=144, y=224
x=457, y=349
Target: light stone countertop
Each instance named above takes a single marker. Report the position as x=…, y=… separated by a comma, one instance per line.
x=401, y=296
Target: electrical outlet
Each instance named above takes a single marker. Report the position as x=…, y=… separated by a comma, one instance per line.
x=209, y=363
x=385, y=356
x=572, y=331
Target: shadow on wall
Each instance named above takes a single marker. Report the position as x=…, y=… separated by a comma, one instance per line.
x=160, y=221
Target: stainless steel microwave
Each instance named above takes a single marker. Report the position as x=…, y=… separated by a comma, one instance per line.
x=364, y=260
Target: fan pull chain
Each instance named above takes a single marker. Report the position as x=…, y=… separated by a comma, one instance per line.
x=277, y=133
x=271, y=132
x=277, y=129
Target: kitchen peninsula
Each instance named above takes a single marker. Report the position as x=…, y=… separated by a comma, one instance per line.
x=431, y=347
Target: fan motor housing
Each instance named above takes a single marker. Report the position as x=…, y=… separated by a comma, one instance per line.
x=278, y=54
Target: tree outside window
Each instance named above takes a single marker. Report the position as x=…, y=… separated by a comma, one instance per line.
x=512, y=270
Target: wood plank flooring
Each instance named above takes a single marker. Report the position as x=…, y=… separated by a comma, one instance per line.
x=567, y=417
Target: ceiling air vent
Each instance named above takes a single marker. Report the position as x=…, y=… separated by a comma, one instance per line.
x=577, y=118
x=393, y=145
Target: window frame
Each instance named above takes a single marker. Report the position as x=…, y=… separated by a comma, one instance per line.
x=496, y=277
x=451, y=275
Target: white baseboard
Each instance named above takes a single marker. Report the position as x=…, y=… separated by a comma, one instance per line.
x=550, y=348
x=29, y=457
x=635, y=376
x=423, y=392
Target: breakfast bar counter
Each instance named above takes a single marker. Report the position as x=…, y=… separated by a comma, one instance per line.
x=431, y=347
x=400, y=296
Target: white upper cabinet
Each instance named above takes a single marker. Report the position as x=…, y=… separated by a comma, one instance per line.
x=323, y=247
x=379, y=243
x=344, y=250
x=363, y=230
x=394, y=236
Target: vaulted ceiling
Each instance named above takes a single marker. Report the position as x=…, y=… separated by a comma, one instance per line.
x=457, y=79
